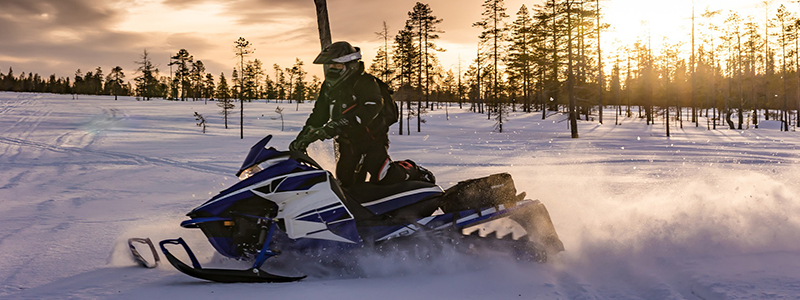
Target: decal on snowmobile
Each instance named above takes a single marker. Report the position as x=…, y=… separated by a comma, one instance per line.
x=400, y=200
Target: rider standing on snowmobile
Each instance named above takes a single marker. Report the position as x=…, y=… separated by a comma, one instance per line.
x=350, y=108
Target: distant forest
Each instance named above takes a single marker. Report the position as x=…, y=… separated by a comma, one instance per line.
x=544, y=59
x=187, y=80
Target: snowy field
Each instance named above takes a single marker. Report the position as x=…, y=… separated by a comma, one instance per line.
x=701, y=215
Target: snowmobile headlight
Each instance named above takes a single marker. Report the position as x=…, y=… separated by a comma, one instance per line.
x=261, y=166
x=249, y=172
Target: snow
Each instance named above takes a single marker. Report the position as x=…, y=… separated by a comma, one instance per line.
x=699, y=215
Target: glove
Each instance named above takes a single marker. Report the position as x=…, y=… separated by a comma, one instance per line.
x=311, y=134
x=303, y=139
x=333, y=128
x=299, y=144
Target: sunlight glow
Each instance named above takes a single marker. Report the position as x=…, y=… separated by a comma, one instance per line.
x=670, y=22
x=154, y=16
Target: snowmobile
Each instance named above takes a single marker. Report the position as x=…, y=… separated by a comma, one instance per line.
x=285, y=201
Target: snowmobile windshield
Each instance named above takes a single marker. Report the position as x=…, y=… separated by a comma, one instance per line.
x=247, y=173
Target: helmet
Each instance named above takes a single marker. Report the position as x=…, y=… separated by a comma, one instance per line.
x=339, y=53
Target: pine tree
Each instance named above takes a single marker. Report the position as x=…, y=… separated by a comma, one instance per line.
x=182, y=59
x=752, y=46
x=208, y=87
x=280, y=82
x=422, y=24
x=223, y=96
x=298, y=87
x=493, y=37
x=146, y=82
x=550, y=54
x=196, y=76
x=600, y=77
x=616, y=89
x=7, y=84
x=114, y=81
x=784, y=39
x=520, y=59
x=97, y=82
x=573, y=113
x=243, y=48
x=77, y=85
x=406, y=57
x=251, y=78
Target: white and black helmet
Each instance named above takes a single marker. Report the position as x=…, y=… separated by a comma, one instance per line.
x=340, y=53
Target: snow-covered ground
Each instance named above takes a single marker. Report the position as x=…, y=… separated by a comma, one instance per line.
x=700, y=215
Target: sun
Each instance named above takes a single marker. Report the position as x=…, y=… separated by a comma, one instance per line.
x=660, y=23
x=636, y=20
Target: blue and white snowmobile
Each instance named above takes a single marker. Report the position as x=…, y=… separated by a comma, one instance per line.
x=286, y=202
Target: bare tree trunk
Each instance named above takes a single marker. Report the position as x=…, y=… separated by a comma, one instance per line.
x=400, y=128
x=739, y=73
x=797, y=70
x=691, y=89
x=573, y=113
x=666, y=118
x=241, y=93
x=785, y=113
x=495, y=99
x=554, y=89
x=323, y=24
x=599, y=67
x=408, y=114
x=419, y=79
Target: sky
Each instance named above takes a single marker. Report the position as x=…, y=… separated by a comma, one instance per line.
x=62, y=36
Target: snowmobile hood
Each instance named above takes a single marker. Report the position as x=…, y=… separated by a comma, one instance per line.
x=258, y=153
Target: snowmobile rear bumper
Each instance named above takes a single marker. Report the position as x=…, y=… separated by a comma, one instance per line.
x=253, y=274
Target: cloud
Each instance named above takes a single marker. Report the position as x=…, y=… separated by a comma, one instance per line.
x=350, y=19
x=42, y=33
x=60, y=36
x=252, y=12
x=50, y=14
x=49, y=56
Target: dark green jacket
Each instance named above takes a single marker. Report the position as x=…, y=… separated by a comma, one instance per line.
x=359, y=100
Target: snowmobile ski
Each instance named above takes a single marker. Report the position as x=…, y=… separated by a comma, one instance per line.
x=254, y=274
x=138, y=257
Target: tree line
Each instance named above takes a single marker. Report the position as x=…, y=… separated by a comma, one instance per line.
x=549, y=59
x=89, y=83
x=186, y=79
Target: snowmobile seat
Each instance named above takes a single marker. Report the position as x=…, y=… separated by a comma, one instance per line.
x=380, y=199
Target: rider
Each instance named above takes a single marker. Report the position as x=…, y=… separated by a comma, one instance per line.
x=350, y=109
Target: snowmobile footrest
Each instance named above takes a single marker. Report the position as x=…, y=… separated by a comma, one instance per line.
x=219, y=275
